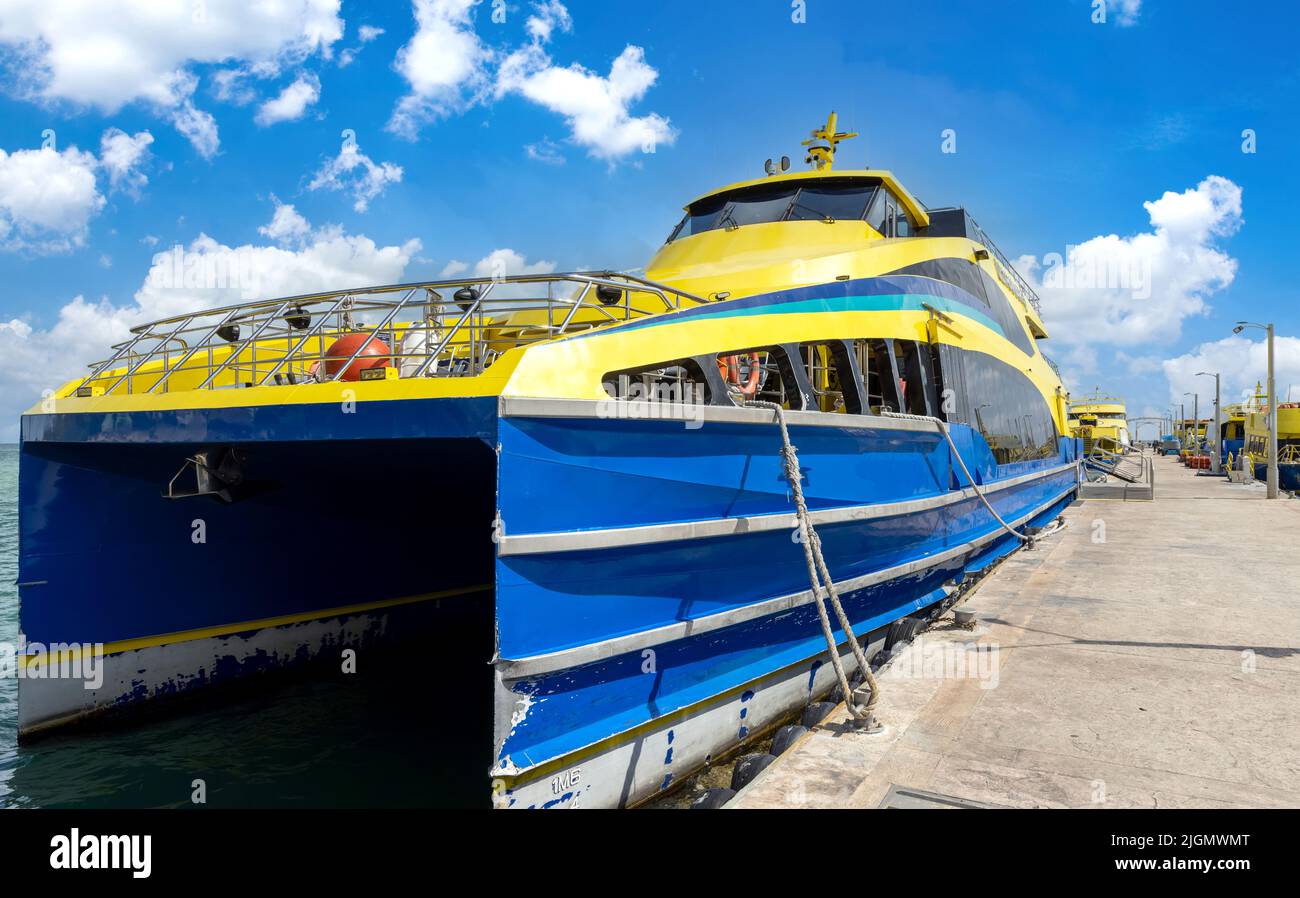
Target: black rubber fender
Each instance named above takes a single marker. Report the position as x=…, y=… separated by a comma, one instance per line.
x=747, y=767
x=816, y=713
x=713, y=798
x=786, y=736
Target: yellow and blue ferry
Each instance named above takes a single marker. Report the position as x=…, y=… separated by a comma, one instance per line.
x=584, y=472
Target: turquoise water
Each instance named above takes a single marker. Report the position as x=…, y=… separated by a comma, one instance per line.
x=324, y=739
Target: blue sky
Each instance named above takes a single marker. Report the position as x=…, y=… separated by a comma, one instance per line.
x=1064, y=128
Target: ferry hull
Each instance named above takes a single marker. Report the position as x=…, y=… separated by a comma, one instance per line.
x=650, y=610
x=666, y=620
x=304, y=559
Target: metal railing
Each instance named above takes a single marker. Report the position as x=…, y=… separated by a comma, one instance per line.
x=1018, y=285
x=451, y=328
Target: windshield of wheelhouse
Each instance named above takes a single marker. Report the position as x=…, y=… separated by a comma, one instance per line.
x=822, y=200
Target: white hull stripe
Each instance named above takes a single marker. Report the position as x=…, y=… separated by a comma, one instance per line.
x=535, y=665
x=615, y=537
x=640, y=410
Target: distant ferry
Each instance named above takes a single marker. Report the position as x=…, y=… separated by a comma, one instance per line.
x=587, y=471
x=1100, y=421
x=1255, y=412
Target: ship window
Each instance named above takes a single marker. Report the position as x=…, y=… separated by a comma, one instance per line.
x=1002, y=404
x=703, y=216
x=846, y=203
x=912, y=379
x=837, y=199
x=680, y=381
x=759, y=207
x=888, y=217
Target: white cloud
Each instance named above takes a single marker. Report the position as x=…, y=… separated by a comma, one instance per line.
x=450, y=69
x=444, y=64
x=546, y=18
x=365, y=34
x=286, y=225
x=546, y=151
x=47, y=199
x=506, y=262
x=1241, y=363
x=354, y=171
x=186, y=279
x=1137, y=290
x=107, y=55
x=121, y=155
x=1126, y=11
x=453, y=268
x=292, y=102
x=198, y=127
x=596, y=107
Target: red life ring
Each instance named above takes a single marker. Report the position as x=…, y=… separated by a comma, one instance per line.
x=729, y=368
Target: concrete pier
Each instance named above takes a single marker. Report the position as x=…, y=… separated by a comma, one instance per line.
x=1148, y=656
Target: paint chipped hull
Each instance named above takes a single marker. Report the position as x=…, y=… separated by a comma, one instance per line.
x=304, y=559
x=129, y=678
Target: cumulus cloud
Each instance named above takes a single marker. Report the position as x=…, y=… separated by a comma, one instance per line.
x=505, y=262
x=204, y=274
x=1137, y=290
x=353, y=171
x=453, y=268
x=595, y=107
x=47, y=198
x=1241, y=363
x=121, y=155
x=444, y=64
x=547, y=17
x=106, y=55
x=450, y=69
x=291, y=103
x=286, y=225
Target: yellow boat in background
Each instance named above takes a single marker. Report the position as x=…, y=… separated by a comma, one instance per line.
x=1255, y=411
x=1100, y=421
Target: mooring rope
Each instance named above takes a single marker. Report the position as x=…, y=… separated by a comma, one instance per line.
x=812, y=550
x=943, y=429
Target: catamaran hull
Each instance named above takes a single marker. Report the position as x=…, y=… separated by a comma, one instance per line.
x=663, y=619
x=651, y=612
x=347, y=530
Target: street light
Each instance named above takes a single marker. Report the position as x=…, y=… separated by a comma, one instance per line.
x=1272, y=406
x=1218, y=436
x=1196, y=421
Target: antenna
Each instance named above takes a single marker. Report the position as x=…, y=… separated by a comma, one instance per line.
x=823, y=156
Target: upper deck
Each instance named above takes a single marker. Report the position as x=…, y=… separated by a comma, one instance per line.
x=453, y=328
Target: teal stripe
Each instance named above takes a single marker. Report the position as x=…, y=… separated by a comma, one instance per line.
x=895, y=302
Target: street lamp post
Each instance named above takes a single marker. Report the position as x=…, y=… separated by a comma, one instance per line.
x=1218, y=434
x=1272, y=406
x=1196, y=421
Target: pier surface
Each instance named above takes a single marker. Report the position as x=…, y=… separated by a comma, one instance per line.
x=1148, y=656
